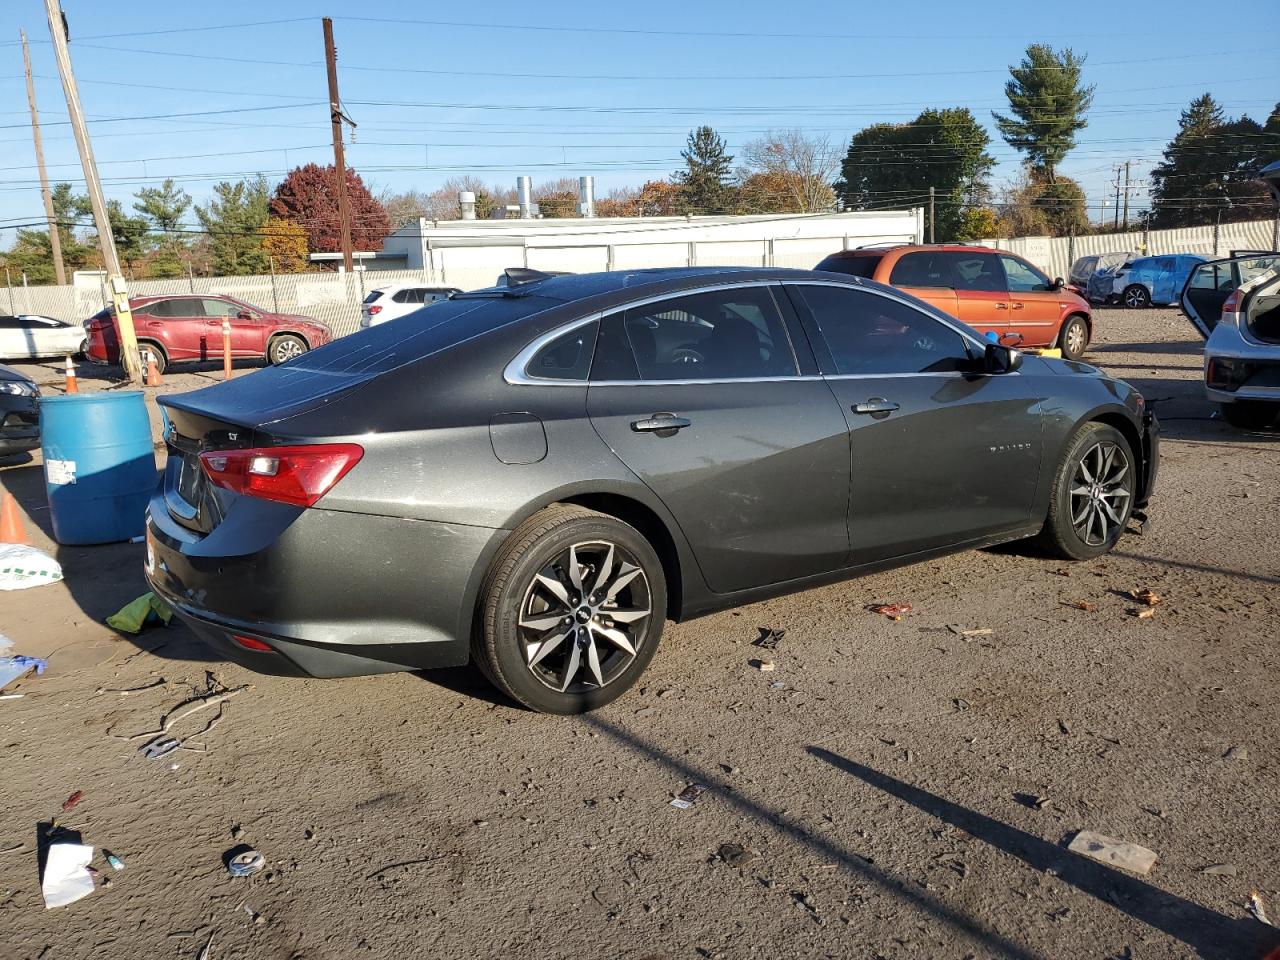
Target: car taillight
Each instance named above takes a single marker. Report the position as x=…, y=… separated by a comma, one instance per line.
x=249, y=643
x=296, y=475
x=1232, y=303
x=1229, y=375
x=374, y=309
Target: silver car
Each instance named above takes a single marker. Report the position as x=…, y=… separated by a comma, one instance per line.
x=1235, y=305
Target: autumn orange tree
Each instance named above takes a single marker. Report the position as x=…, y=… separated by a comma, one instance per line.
x=309, y=197
x=285, y=242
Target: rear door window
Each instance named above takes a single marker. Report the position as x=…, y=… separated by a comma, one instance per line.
x=719, y=335
x=977, y=271
x=927, y=268
x=868, y=333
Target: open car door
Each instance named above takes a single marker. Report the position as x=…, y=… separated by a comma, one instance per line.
x=1211, y=283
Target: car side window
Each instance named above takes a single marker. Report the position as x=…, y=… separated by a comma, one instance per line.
x=930, y=268
x=10, y=323
x=568, y=357
x=719, y=335
x=401, y=296
x=181, y=307
x=221, y=308
x=868, y=333
x=1022, y=277
x=977, y=271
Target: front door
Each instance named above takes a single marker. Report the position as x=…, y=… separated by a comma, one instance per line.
x=1033, y=303
x=246, y=332
x=701, y=396
x=941, y=454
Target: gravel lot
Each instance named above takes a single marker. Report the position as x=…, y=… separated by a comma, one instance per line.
x=879, y=802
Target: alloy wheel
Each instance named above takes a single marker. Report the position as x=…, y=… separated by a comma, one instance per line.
x=584, y=617
x=1135, y=298
x=287, y=350
x=1100, y=493
x=1075, y=339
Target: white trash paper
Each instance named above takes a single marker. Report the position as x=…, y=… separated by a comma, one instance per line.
x=66, y=874
x=22, y=566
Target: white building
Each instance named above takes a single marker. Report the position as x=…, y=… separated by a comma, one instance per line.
x=472, y=253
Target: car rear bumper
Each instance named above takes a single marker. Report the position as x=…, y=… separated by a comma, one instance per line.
x=331, y=593
x=1242, y=367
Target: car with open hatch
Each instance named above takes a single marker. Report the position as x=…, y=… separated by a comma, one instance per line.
x=995, y=292
x=188, y=327
x=538, y=477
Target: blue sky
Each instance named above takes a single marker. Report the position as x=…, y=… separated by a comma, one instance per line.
x=472, y=92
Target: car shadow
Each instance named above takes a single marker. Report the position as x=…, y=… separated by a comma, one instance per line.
x=1210, y=934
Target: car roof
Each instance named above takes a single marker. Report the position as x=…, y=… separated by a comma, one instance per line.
x=902, y=248
x=408, y=285
x=582, y=286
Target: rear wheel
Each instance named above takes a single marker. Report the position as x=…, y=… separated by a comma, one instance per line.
x=1092, y=494
x=1250, y=414
x=151, y=352
x=1074, y=338
x=572, y=611
x=286, y=347
x=1136, y=296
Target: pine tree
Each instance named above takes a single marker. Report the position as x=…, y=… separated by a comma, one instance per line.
x=1048, y=104
x=164, y=207
x=705, y=183
x=234, y=220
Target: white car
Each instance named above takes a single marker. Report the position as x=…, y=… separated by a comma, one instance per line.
x=1235, y=305
x=387, y=303
x=29, y=337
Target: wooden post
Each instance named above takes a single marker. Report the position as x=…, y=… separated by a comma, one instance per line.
x=226, y=349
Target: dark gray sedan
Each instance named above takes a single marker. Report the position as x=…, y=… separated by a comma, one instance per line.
x=19, y=412
x=537, y=477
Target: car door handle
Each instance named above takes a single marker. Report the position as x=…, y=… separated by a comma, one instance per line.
x=662, y=424
x=1002, y=306
x=876, y=406
x=1018, y=306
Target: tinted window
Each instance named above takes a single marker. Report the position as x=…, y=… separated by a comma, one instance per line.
x=977, y=271
x=720, y=335
x=869, y=333
x=372, y=295
x=1022, y=277
x=404, y=296
x=177, y=307
x=855, y=265
x=9, y=323
x=925, y=269
x=567, y=357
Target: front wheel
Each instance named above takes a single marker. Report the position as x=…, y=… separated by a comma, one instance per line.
x=1092, y=496
x=1074, y=338
x=572, y=611
x=1250, y=414
x=286, y=348
x=1136, y=297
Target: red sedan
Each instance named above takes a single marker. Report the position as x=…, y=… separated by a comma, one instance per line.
x=172, y=329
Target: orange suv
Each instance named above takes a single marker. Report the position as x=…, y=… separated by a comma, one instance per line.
x=990, y=290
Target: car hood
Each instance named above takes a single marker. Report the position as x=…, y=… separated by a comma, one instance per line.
x=300, y=318
x=8, y=373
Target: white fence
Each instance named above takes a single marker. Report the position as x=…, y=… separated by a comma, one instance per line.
x=1056, y=254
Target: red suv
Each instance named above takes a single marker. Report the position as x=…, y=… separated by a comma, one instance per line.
x=172, y=329
x=990, y=290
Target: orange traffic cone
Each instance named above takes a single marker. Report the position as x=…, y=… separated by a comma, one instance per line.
x=72, y=387
x=11, y=529
x=153, y=372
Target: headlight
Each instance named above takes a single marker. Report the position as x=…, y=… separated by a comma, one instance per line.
x=19, y=388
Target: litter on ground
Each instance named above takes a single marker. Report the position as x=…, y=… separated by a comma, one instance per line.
x=22, y=566
x=11, y=668
x=1114, y=853
x=686, y=797
x=893, y=611
x=136, y=614
x=66, y=874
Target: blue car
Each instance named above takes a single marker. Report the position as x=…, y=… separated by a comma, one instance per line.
x=1147, y=280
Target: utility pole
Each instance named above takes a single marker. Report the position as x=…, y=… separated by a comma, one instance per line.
x=55, y=238
x=1116, y=216
x=115, y=281
x=336, y=118
x=1126, y=193
x=932, y=217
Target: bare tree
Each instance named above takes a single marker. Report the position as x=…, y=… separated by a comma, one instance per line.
x=807, y=165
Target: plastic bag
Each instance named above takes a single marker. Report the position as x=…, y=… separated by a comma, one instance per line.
x=22, y=566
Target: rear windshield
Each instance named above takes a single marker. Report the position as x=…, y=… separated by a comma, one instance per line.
x=372, y=296
x=389, y=345
x=858, y=265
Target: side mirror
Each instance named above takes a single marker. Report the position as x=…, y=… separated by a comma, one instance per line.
x=244, y=315
x=1058, y=284
x=1002, y=359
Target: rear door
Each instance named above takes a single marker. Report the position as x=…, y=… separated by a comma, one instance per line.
x=703, y=396
x=927, y=275
x=1033, y=303
x=941, y=454
x=981, y=299
x=1209, y=284
x=178, y=323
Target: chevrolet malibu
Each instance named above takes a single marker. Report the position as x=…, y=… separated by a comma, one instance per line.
x=537, y=477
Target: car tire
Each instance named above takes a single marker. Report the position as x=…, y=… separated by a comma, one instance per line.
x=1250, y=414
x=150, y=350
x=546, y=639
x=1093, y=493
x=1136, y=297
x=286, y=347
x=1074, y=338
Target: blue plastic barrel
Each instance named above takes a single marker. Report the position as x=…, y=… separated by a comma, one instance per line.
x=99, y=465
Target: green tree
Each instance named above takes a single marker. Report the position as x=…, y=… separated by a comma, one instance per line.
x=164, y=207
x=129, y=234
x=234, y=220
x=1210, y=167
x=890, y=164
x=32, y=253
x=1048, y=104
x=706, y=182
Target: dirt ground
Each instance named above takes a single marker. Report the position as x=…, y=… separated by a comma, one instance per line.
x=873, y=797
